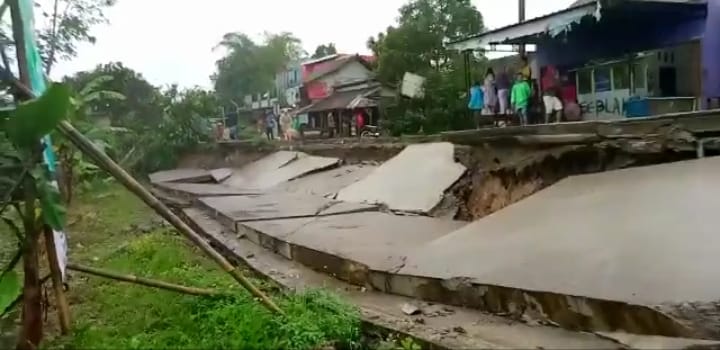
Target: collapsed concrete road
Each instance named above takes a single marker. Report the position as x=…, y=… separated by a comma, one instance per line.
x=592, y=252
x=413, y=181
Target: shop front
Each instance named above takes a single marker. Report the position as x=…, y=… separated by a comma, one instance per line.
x=622, y=58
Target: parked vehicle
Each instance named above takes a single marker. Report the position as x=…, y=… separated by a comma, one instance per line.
x=370, y=131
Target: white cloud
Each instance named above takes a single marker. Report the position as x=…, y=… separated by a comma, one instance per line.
x=171, y=41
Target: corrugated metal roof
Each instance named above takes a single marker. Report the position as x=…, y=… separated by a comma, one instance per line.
x=530, y=27
x=338, y=100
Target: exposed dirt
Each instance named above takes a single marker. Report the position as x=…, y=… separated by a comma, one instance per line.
x=500, y=177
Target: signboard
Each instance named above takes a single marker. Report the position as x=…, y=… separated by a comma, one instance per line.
x=604, y=105
x=412, y=86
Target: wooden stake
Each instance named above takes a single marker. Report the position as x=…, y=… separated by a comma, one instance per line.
x=144, y=281
x=56, y=275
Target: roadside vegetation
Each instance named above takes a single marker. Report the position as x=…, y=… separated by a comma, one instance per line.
x=109, y=228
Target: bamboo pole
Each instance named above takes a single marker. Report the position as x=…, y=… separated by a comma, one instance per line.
x=104, y=162
x=107, y=164
x=56, y=275
x=144, y=281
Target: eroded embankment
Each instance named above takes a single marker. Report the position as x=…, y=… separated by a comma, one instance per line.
x=498, y=177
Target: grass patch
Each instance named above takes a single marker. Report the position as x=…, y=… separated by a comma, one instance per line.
x=110, y=228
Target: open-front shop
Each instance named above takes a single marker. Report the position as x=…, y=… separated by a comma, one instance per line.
x=614, y=59
x=643, y=83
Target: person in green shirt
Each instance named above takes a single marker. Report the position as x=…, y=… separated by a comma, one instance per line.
x=520, y=98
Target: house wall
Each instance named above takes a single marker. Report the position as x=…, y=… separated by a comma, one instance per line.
x=289, y=78
x=711, y=51
x=288, y=83
x=322, y=87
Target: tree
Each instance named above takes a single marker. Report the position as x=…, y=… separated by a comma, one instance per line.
x=75, y=168
x=68, y=22
x=416, y=44
x=324, y=50
x=141, y=102
x=249, y=67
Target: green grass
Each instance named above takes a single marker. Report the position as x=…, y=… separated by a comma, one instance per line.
x=103, y=226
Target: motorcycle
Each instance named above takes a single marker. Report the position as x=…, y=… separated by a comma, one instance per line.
x=370, y=131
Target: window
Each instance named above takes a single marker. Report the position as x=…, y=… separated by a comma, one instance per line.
x=602, y=79
x=639, y=76
x=584, y=78
x=621, y=76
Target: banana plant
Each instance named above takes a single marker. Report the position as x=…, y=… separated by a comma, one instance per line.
x=25, y=186
x=74, y=167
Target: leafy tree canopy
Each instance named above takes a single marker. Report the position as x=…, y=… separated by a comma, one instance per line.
x=141, y=99
x=249, y=67
x=416, y=44
x=324, y=50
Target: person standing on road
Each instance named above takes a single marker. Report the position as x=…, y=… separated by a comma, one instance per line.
x=270, y=126
x=489, y=93
x=476, y=103
x=359, y=121
x=331, y=124
x=503, y=86
x=285, y=124
x=520, y=98
x=551, y=100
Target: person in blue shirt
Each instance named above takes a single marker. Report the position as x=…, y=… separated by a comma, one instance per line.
x=476, y=103
x=270, y=126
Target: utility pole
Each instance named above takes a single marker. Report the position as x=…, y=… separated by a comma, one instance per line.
x=521, y=18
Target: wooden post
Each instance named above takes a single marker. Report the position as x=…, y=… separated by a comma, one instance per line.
x=63, y=309
x=521, y=18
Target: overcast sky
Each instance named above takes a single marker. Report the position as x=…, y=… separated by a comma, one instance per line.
x=171, y=41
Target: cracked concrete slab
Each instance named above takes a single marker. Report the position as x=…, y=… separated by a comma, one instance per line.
x=201, y=190
x=221, y=174
x=184, y=175
x=479, y=329
x=278, y=168
x=415, y=180
x=245, y=176
x=328, y=182
x=301, y=166
x=377, y=240
x=635, y=341
x=278, y=206
x=643, y=235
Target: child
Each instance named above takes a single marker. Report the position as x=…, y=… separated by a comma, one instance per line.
x=476, y=103
x=520, y=98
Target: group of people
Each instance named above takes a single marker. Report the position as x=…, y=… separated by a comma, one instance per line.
x=289, y=125
x=499, y=95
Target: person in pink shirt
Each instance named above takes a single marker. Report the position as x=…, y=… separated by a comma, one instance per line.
x=359, y=121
